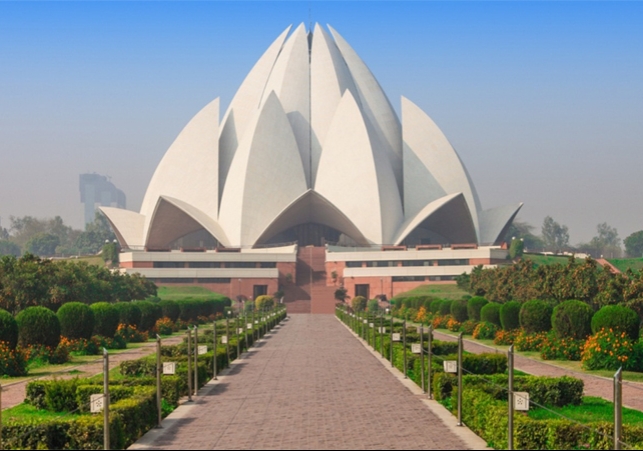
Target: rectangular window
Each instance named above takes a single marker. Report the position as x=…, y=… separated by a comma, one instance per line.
x=353, y=264
x=240, y=264
x=213, y=280
x=169, y=264
x=204, y=265
x=259, y=290
x=268, y=265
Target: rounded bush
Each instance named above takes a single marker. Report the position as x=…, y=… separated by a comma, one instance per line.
x=485, y=331
x=474, y=305
x=170, y=309
x=617, y=317
x=150, y=313
x=105, y=319
x=445, y=308
x=535, y=316
x=264, y=303
x=572, y=319
x=459, y=311
x=189, y=309
x=8, y=329
x=510, y=315
x=435, y=306
x=490, y=313
x=359, y=303
x=128, y=313
x=38, y=326
x=76, y=320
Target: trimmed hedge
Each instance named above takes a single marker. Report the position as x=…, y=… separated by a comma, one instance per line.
x=459, y=311
x=38, y=326
x=128, y=313
x=490, y=313
x=572, y=319
x=474, y=305
x=8, y=329
x=619, y=318
x=150, y=313
x=170, y=309
x=76, y=320
x=510, y=315
x=535, y=316
x=445, y=308
x=435, y=306
x=106, y=319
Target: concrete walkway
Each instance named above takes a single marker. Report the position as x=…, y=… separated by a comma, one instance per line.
x=309, y=385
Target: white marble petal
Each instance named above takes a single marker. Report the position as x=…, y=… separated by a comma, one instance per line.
x=127, y=225
x=495, y=222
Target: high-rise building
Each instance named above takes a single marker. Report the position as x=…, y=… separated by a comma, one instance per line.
x=96, y=190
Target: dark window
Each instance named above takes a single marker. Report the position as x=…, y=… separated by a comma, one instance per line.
x=362, y=290
x=417, y=263
x=169, y=264
x=240, y=264
x=259, y=290
x=353, y=264
x=204, y=265
x=268, y=265
x=454, y=262
x=409, y=279
x=213, y=280
x=380, y=264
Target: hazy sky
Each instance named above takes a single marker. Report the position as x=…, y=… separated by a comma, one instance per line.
x=543, y=101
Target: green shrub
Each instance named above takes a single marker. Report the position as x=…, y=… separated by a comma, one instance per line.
x=572, y=319
x=554, y=348
x=611, y=350
x=490, y=313
x=510, y=315
x=617, y=317
x=13, y=361
x=358, y=303
x=435, y=306
x=474, y=305
x=445, y=307
x=128, y=314
x=190, y=309
x=459, y=311
x=150, y=313
x=8, y=329
x=535, y=316
x=264, y=303
x=373, y=306
x=60, y=395
x=170, y=309
x=105, y=319
x=485, y=331
x=76, y=320
x=443, y=348
x=38, y=326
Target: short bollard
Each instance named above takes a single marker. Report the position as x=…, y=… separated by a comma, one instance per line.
x=618, y=409
x=196, y=360
x=214, y=348
x=460, y=388
x=382, y=334
x=238, y=335
x=421, y=331
x=227, y=342
x=391, y=338
x=159, y=406
x=510, y=422
x=106, y=442
x=189, y=365
x=404, y=346
x=429, y=341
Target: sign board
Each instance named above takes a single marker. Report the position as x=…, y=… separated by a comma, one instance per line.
x=415, y=348
x=96, y=403
x=450, y=366
x=169, y=368
x=224, y=339
x=521, y=401
x=241, y=330
x=202, y=349
x=396, y=337
x=249, y=326
x=365, y=321
x=371, y=325
x=382, y=330
x=256, y=321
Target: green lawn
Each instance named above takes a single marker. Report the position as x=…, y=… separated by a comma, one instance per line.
x=623, y=264
x=177, y=293
x=592, y=409
x=437, y=290
x=25, y=410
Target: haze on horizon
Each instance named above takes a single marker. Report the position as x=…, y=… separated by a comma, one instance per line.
x=543, y=101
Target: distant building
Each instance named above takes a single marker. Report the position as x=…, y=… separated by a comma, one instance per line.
x=96, y=190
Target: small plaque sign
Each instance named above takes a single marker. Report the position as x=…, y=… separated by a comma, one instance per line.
x=415, y=348
x=202, y=349
x=521, y=401
x=249, y=326
x=240, y=330
x=96, y=403
x=224, y=339
x=382, y=330
x=365, y=321
x=256, y=321
x=169, y=368
x=450, y=366
x=371, y=325
x=396, y=337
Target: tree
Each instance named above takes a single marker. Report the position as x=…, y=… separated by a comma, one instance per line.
x=606, y=242
x=341, y=294
x=555, y=236
x=9, y=248
x=43, y=244
x=517, y=248
x=634, y=244
x=523, y=230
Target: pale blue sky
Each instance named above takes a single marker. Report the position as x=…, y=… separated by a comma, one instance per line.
x=542, y=100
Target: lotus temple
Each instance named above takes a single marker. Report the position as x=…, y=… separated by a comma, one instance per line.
x=310, y=181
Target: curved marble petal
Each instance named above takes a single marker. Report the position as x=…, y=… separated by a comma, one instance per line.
x=495, y=222
x=127, y=225
x=448, y=216
x=189, y=169
x=355, y=176
x=266, y=176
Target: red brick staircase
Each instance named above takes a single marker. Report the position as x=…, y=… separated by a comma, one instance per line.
x=310, y=291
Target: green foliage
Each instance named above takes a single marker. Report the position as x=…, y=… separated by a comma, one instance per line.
x=43, y=244
x=554, y=348
x=490, y=313
x=510, y=315
x=373, y=306
x=358, y=303
x=12, y=361
x=128, y=314
x=535, y=316
x=170, y=309
x=106, y=318
x=634, y=244
x=150, y=313
x=435, y=306
x=76, y=321
x=474, y=305
x=341, y=294
x=485, y=331
x=611, y=349
x=459, y=310
x=617, y=318
x=445, y=307
x=9, y=248
x=38, y=326
x=572, y=319
x=8, y=329
x=264, y=303
x=517, y=248
x=109, y=253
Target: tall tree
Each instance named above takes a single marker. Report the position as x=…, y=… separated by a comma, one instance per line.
x=555, y=236
x=634, y=244
x=523, y=230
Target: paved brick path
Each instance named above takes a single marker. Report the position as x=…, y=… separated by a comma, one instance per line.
x=309, y=385
x=594, y=385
